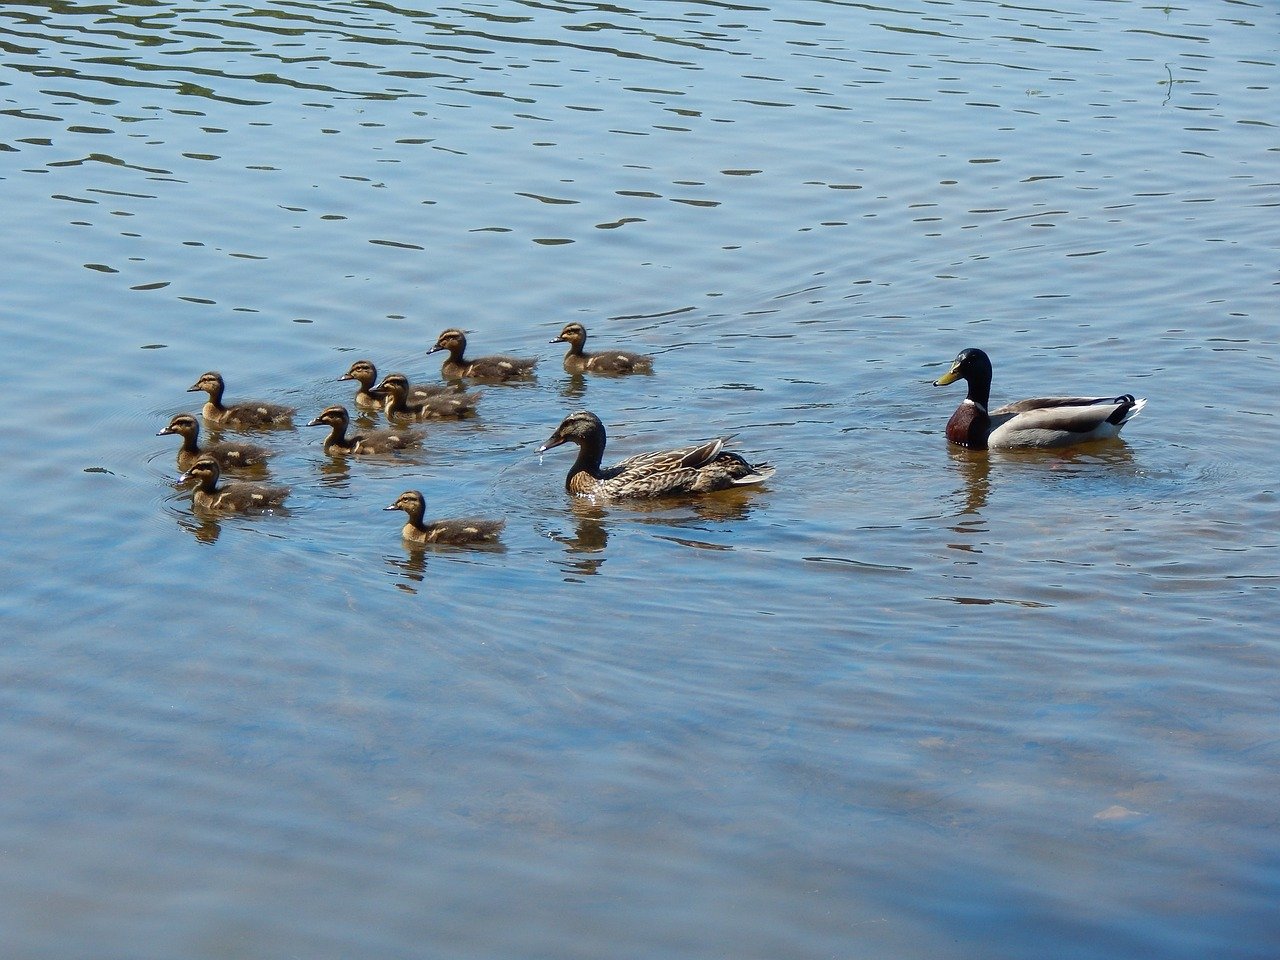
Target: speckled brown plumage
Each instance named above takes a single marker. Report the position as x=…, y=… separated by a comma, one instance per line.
x=233, y=496
x=230, y=456
x=248, y=413
x=398, y=405
x=705, y=468
x=364, y=443
x=368, y=397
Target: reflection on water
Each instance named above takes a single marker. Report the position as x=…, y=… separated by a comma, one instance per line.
x=896, y=653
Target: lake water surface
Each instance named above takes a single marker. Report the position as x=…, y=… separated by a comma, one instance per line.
x=904, y=702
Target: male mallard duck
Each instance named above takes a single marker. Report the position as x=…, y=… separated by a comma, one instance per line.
x=368, y=396
x=251, y=413
x=230, y=456
x=445, y=406
x=369, y=442
x=1039, y=422
x=605, y=361
x=701, y=469
x=230, y=497
x=456, y=532
x=482, y=368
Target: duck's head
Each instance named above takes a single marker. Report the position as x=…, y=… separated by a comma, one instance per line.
x=396, y=384
x=335, y=416
x=970, y=364
x=205, y=470
x=183, y=424
x=574, y=333
x=581, y=427
x=453, y=340
x=410, y=501
x=362, y=371
x=210, y=382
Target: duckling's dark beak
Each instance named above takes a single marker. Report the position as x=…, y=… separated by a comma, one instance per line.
x=436, y=349
x=194, y=388
x=559, y=339
x=317, y=422
x=951, y=376
x=392, y=507
x=553, y=441
x=345, y=376
x=163, y=433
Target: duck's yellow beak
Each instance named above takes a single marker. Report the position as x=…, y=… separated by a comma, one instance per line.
x=951, y=376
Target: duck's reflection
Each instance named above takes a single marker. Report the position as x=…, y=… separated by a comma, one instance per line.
x=590, y=537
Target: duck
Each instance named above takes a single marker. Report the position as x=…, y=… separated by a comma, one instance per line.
x=1038, y=422
x=705, y=468
x=230, y=456
x=369, y=442
x=230, y=497
x=250, y=413
x=470, y=530
x=397, y=403
x=368, y=396
x=496, y=368
x=576, y=360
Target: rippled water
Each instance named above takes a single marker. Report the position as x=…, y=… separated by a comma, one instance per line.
x=904, y=702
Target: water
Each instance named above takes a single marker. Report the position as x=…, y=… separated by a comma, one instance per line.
x=903, y=702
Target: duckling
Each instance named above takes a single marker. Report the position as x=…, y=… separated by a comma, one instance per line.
x=482, y=368
x=457, y=532
x=231, y=497
x=606, y=361
x=369, y=398
x=701, y=469
x=446, y=406
x=230, y=456
x=373, y=441
x=1038, y=422
x=250, y=413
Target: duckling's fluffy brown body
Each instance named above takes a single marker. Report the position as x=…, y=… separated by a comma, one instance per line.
x=398, y=404
x=1042, y=422
x=369, y=442
x=369, y=397
x=616, y=362
x=249, y=413
x=462, y=532
x=705, y=468
x=230, y=456
x=495, y=369
x=231, y=497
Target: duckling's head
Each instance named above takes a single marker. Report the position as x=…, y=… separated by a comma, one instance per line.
x=183, y=424
x=362, y=371
x=574, y=333
x=210, y=383
x=335, y=416
x=581, y=427
x=970, y=364
x=396, y=384
x=411, y=501
x=453, y=340
x=205, y=470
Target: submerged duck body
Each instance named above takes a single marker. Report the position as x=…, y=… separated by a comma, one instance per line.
x=705, y=468
x=577, y=360
x=369, y=397
x=495, y=368
x=469, y=530
x=367, y=442
x=250, y=413
x=398, y=403
x=230, y=456
x=230, y=497
x=1039, y=422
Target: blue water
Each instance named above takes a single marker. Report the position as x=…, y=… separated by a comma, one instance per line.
x=903, y=702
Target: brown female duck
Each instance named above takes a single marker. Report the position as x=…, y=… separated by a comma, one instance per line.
x=577, y=360
x=1038, y=422
x=230, y=497
x=700, y=469
x=230, y=456
x=496, y=368
x=250, y=413
x=398, y=404
x=470, y=530
x=368, y=442
x=368, y=397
